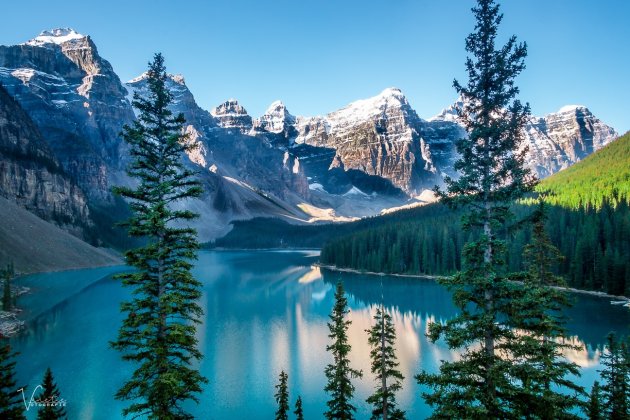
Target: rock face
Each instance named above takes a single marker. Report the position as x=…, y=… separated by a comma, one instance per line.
x=31, y=177
x=277, y=125
x=76, y=100
x=563, y=138
x=231, y=115
x=377, y=136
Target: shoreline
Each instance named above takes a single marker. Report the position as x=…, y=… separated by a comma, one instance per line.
x=422, y=276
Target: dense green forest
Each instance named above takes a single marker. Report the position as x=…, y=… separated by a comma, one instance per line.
x=589, y=221
x=595, y=244
x=603, y=177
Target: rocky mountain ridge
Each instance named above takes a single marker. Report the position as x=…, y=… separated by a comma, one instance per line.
x=370, y=156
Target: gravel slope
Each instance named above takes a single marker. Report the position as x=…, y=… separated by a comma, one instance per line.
x=35, y=245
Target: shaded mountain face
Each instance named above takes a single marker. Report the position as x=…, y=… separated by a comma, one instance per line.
x=31, y=177
x=77, y=102
x=370, y=156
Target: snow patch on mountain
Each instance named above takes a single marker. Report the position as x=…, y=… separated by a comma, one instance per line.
x=570, y=108
x=56, y=36
x=359, y=111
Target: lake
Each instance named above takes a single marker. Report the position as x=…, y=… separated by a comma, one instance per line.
x=265, y=311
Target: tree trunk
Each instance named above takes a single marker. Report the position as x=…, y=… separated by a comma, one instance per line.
x=489, y=302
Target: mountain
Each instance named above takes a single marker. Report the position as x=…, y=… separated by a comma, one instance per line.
x=76, y=100
x=378, y=136
x=556, y=140
x=31, y=177
x=369, y=157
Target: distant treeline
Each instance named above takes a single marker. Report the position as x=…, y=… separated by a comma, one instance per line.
x=595, y=243
x=261, y=232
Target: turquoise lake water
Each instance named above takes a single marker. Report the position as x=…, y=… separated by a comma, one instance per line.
x=264, y=312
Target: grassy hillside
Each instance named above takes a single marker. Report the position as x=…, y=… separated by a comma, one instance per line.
x=602, y=177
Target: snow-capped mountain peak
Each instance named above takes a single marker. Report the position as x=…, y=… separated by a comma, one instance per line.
x=389, y=99
x=55, y=36
x=177, y=78
x=571, y=108
x=230, y=114
x=276, y=107
x=276, y=119
x=449, y=114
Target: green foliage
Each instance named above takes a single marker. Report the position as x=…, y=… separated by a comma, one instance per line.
x=282, y=397
x=50, y=395
x=299, y=411
x=601, y=178
x=492, y=175
x=339, y=373
x=382, y=338
x=428, y=242
x=11, y=405
x=594, y=409
x=158, y=333
x=615, y=377
x=547, y=391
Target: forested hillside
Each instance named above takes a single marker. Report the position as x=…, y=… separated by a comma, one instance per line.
x=601, y=177
x=589, y=220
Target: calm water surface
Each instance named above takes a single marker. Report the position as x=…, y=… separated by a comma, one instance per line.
x=264, y=312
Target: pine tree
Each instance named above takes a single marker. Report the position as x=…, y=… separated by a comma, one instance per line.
x=543, y=370
x=158, y=333
x=50, y=395
x=492, y=176
x=299, y=411
x=615, y=379
x=282, y=397
x=11, y=405
x=594, y=409
x=339, y=373
x=382, y=337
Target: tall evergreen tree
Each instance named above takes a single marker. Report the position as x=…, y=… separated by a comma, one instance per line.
x=594, y=409
x=615, y=379
x=282, y=397
x=382, y=338
x=54, y=407
x=158, y=333
x=299, y=411
x=543, y=370
x=339, y=373
x=11, y=404
x=492, y=176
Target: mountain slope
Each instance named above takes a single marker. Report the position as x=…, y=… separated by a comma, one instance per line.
x=33, y=244
x=601, y=177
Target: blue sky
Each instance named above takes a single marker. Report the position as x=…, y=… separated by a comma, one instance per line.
x=319, y=55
